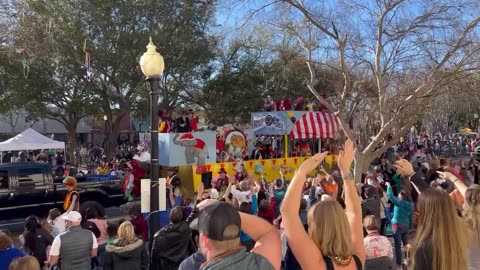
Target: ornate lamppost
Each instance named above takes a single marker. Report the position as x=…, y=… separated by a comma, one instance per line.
x=152, y=65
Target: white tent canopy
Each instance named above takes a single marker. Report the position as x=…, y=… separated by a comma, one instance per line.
x=30, y=140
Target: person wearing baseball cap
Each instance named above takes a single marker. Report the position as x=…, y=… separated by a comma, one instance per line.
x=219, y=226
x=75, y=246
x=72, y=198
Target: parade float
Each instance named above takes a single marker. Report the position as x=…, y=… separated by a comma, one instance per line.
x=284, y=132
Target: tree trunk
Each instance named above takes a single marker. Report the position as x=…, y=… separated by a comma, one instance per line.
x=362, y=162
x=113, y=131
x=72, y=141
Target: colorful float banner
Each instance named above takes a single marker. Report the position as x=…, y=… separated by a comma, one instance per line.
x=269, y=123
x=275, y=123
x=271, y=167
x=182, y=149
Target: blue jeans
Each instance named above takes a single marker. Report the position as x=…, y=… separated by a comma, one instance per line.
x=101, y=256
x=400, y=234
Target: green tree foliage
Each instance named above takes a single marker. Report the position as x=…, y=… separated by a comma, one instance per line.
x=54, y=37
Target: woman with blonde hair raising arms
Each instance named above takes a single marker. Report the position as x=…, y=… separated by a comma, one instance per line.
x=471, y=215
x=335, y=237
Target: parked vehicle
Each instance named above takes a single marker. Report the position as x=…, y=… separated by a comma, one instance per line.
x=29, y=188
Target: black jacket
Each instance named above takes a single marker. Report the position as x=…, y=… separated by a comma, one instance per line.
x=181, y=121
x=36, y=244
x=130, y=257
x=256, y=154
x=88, y=225
x=170, y=246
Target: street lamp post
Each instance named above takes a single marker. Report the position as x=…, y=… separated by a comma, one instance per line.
x=152, y=65
x=105, y=132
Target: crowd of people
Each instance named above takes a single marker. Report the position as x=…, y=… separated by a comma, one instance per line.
x=319, y=219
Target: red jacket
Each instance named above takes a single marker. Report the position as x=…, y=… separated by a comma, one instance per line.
x=270, y=215
x=194, y=124
x=140, y=226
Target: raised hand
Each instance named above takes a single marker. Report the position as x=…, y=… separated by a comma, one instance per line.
x=404, y=168
x=206, y=203
x=447, y=176
x=310, y=164
x=345, y=157
x=200, y=189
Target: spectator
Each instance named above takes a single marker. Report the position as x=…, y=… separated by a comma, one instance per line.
x=251, y=209
x=402, y=220
x=219, y=225
x=290, y=262
x=75, y=247
x=111, y=170
x=127, y=252
x=53, y=231
x=89, y=225
x=101, y=224
x=242, y=195
x=139, y=223
x=7, y=251
x=335, y=236
x=371, y=204
x=266, y=210
x=277, y=192
x=329, y=186
x=283, y=171
x=25, y=263
x=471, y=215
x=36, y=239
x=378, y=249
x=194, y=261
x=112, y=228
x=69, y=171
x=56, y=220
x=303, y=211
x=170, y=243
x=440, y=242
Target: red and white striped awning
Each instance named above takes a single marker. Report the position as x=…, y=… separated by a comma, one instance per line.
x=315, y=125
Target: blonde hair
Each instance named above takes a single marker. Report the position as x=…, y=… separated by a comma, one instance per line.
x=25, y=263
x=332, y=234
x=126, y=234
x=471, y=210
x=370, y=223
x=439, y=223
x=5, y=241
